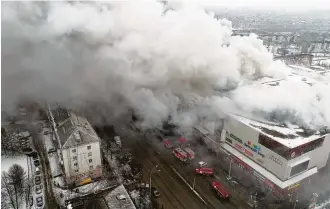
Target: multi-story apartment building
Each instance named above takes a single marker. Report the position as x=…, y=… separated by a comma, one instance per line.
x=78, y=146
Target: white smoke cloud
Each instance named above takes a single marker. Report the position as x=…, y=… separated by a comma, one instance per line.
x=138, y=54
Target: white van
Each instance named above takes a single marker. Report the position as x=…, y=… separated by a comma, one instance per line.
x=118, y=141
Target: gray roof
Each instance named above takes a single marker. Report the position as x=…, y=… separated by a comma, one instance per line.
x=74, y=130
x=114, y=201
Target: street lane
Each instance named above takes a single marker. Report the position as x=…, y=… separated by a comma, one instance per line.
x=174, y=192
x=150, y=157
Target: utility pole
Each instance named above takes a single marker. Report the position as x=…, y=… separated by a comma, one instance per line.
x=229, y=172
x=194, y=183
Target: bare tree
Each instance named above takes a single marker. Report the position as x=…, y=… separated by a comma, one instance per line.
x=7, y=190
x=17, y=176
x=13, y=184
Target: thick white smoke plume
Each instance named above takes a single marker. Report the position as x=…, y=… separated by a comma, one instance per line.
x=110, y=57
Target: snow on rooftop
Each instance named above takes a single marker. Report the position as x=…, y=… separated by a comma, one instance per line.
x=52, y=157
x=288, y=135
x=119, y=198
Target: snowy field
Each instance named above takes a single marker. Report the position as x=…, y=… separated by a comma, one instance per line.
x=6, y=162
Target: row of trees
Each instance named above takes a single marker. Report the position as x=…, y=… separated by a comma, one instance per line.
x=13, y=187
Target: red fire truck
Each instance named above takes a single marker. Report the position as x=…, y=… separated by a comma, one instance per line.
x=221, y=190
x=180, y=154
x=168, y=143
x=190, y=153
x=205, y=171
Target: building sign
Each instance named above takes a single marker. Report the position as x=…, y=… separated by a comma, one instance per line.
x=229, y=140
x=236, y=138
x=243, y=150
x=255, y=148
x=276, y=160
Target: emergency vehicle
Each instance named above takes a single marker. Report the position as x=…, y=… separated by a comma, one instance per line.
x=221, y=190
x=205, y=171
x=180, y=154
x=168, y=143
x=190, y=153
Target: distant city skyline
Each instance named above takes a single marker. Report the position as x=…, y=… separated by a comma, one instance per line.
x=286, y=5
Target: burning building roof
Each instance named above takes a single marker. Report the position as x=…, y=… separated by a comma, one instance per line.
x=288, y=135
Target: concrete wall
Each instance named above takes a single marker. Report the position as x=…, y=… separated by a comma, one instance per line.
x=83, y=156
x=318, y=157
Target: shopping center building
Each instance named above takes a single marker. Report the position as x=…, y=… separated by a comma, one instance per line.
x=281, y=156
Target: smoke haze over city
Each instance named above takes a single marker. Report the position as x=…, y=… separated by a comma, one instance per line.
x=112, y=57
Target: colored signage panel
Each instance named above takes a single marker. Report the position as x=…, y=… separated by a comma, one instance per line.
x=255, y=148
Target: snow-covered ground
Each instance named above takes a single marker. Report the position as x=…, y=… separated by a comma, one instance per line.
x=113, y=164
x=6, y=162
x=321, y=206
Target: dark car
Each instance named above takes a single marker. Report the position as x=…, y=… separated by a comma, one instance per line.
x=38, y=189
x=35, y=156
x=155, y=192
x=40, y=201
x=37, y=180
x=36, y=163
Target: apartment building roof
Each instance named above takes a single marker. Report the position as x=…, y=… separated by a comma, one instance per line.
x=73, y=130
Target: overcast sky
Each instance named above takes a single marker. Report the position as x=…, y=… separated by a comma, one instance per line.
x=269, y=4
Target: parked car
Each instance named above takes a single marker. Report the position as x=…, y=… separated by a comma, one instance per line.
x=35, y=156
x=118, y=141
x=38, y=172
x=37, y=180
x=205, y=171
x=31, y=201
x=51, y=150
x=36, y=163
x=38, y=189
x=155, y=192
x=202, y=164
x=40, y=201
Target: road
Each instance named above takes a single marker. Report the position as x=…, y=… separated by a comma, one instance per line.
x=49, y=200
x=175, y=192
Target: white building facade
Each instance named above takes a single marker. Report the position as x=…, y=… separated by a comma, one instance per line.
x=82, y=162
x=78, y=147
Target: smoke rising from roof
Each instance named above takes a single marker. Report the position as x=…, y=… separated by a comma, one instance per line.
x=109, y=57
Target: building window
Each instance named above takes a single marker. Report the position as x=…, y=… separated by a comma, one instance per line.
x=75, y=164
x=90, y=160
x=89, y=154
x=74, y=157
x=89, y=147
x=274, y=146
x=299, y=168
x=74, y=150
x=91, y=167
x=76, y=170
